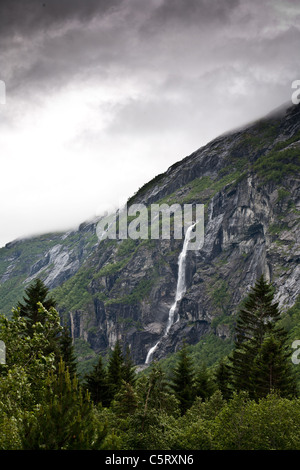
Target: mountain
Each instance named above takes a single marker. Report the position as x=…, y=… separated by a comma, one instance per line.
x=248, y=181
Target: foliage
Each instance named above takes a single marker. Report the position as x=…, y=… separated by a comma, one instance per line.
x=278, y=163
x=34, y=353
x=270, y=424
x=73, y=293
x=221, y=296
x=103, y=383
x=37, y=293
x=126, y=247
x=112, y=268
x=65, y=419
x=181, y=404
x=223, y=378
x=204, y=386
x=140, y=291
x=96, y=383
x=260, y=358
x=183, y=381
x=67, y=351
x=9, y=433
x=209, y=350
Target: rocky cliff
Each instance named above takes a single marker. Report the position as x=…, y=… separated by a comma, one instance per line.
x=248, y=181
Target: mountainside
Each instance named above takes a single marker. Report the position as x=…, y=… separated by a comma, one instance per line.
x=248, y=181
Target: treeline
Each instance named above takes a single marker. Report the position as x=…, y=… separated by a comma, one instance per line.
x=249, y=401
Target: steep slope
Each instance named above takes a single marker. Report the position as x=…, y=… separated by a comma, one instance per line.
x=248, y=181
x=54, y=257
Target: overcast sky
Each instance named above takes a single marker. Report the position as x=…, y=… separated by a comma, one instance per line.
x=103, y=95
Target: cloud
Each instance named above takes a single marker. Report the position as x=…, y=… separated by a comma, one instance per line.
x=103, y=95
x=18, y=17
x=200, y=12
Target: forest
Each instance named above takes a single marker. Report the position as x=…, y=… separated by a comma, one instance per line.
x=248, y=401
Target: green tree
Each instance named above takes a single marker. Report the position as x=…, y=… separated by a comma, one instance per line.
x=97, y=384
x=128, y=373
x=272, y=369
x=204, y=386
x=223, y=379
x=258, y=318
x=36, y=293
x=115, y=371
x=65, y=419
x=155, y=393
x=32, y=355
x=183, y=380
x=9, y=433
x=67, y=350
x=157, y=409
x=271, y=423
x=194, y=430
x=126, y=401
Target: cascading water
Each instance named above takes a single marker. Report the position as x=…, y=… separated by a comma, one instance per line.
x=180, y=290
x=72, y=325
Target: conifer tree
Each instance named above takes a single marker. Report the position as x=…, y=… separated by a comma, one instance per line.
x=257, y=319
x=97, y=385
x=115, y=371
x=125, y=401
x=36, y=293
x=154, y=392
x=222, y=378
x=183, y=380
x=204, y=387
x=128, y=373
x=65, y=418
x=67, y=350
x=272, y=370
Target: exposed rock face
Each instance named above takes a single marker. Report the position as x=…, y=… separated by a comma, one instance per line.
x=249, y=183
x=53, y=257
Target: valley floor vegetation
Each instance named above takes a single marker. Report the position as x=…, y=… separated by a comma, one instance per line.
x=248, y=401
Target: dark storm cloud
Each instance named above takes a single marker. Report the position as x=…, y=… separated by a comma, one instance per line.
x=47, y=46
x=174, y=45
x=26, y=17
x=194, y=11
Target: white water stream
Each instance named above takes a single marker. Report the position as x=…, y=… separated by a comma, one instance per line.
x=180, y=290
x=72, y=326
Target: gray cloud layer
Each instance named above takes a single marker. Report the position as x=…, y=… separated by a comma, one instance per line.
x=165, y=41
x=161, y=76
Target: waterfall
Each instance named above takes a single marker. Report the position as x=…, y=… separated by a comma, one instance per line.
x=180, y=290
x=72, y=325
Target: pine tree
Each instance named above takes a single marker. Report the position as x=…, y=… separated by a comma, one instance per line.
x=183, y=380
x=222, y=378
x=259, y=315
x=64, y=419
x=272, y=370
x=125, y=401
x=96, y=384
x=128, y=373
x=154, y=392
x=203, y=384
x=36, y=292
x=115, y=371
x=257, y=319
x=67, y=350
